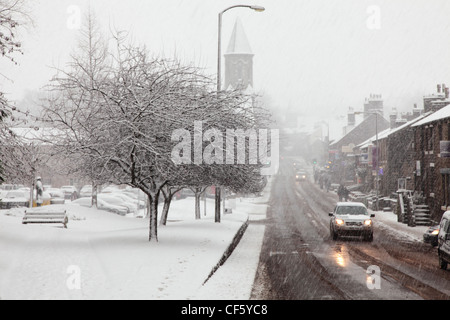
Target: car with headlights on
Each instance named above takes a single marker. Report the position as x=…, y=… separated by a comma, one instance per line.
x=431, y=235
x=300, y=175
x=351, y=219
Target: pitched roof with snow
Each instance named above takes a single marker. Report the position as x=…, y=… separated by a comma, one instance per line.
x=438, y=115
x=388, y=132
x=362, y=123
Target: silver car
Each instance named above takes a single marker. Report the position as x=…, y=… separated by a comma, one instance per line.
x=351, y=219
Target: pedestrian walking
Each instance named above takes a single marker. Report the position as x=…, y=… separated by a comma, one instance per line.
x=340, y=192
x=39, y=191
x=346, y=194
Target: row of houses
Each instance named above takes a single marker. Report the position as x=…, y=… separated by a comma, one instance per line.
x=410, y=151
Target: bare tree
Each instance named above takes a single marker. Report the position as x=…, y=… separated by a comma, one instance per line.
x=117, y=114
x=13, y=15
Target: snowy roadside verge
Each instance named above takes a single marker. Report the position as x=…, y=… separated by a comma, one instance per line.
x=388, y=221
x=234, y=279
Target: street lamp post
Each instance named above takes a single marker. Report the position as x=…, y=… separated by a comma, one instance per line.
x=378, y=152
x=219, y=84
x=327, y=154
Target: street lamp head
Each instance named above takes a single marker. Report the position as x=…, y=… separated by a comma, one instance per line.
x=258, y=8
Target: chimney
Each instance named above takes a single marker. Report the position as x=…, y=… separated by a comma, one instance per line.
x=438, y=88
x=416, y=111
x=393, y=118
x=446, y=93
x=350, y=117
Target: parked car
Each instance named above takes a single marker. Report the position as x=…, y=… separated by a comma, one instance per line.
x=86, y=191
x=444, y=241
x=70, y=192
x=57, y=196
x=110, y=189
x=126, y=198
x=101, y=205
x=300, y=176
x=431, y=235
x=21, y=198
x=15, y=199
x=350, y=219
x=135, y=193
x=113, y=199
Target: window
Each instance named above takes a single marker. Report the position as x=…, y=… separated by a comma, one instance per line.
x=422, y=138
x=430, y=138
x=446, y=189
x=352, y=210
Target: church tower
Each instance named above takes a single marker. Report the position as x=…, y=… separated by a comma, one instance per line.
x=238, y=60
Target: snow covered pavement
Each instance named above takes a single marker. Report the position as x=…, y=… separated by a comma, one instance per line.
x=388, y=221
x=105, y=256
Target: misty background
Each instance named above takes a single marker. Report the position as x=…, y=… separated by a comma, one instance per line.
x=316, y=58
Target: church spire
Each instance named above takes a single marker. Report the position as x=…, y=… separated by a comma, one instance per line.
x=238, y=42
x=238, y=60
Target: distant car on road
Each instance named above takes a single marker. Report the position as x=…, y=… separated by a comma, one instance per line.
x=300, y=176
x=431, y=235
x=351, y=219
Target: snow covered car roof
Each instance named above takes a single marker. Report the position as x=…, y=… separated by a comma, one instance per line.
x=351, y=204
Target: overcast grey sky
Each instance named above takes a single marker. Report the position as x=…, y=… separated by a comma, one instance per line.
x=317, y=56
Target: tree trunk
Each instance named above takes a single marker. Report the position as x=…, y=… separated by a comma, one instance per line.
x=165, y=210
x=94, y=195
x=198, y=192
x=217, y=207
x=153, y=217
x=32, y=194
x=204, y=203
